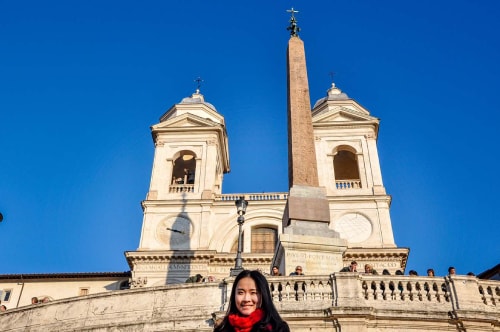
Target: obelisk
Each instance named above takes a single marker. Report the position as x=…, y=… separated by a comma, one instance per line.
x=307, y=239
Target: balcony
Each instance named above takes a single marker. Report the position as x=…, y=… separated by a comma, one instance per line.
x=253, y=197
x=348, y=184
x=181, y=188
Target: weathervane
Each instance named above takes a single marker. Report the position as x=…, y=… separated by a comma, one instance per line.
x=294, y=29
x=198, y=85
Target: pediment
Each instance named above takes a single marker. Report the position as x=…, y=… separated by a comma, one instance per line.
x=342, y=114
x=186, y=120
x=200, y=110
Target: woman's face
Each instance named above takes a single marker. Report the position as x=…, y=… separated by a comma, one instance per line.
x=247, y=298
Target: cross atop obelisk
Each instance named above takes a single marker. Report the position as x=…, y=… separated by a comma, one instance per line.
x=294, y=28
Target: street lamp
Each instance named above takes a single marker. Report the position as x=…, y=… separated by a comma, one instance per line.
x=241, y=206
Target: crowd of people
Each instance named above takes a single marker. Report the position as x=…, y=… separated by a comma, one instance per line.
x=199, y=278
x=368, y=268
x=34, y=300
x=353, y=267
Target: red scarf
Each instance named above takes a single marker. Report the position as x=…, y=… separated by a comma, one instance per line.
x=245, y=323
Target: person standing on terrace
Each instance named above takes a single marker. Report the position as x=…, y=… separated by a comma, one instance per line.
x=351, y=268
x=251, y=306
x=298, y=271
x=275, y=272
x=369, y=269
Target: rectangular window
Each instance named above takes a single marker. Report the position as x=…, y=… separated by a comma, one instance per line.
x=5, y=295
x=264, y=240
x=84, y=291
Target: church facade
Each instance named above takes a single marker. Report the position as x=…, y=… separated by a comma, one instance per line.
x=189, y=226
x=335, y=212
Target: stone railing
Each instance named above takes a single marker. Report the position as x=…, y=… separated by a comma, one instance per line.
x=405, y=289
x=253, y=197
x=490, y=292
x=181, y=188
x=356, y=301
x=340, y=301
x=312, y=290
x=348, y=184
x=341, y=289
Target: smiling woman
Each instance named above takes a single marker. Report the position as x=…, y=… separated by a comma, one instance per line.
x=251, y=307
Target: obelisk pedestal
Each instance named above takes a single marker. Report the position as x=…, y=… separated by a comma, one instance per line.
x=306, y=239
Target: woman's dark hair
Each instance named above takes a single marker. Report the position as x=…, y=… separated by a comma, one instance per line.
x=271, y=315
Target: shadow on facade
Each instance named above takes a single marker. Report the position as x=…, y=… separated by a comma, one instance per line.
x=180, y=227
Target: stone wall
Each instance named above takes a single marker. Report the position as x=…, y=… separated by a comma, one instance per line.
x=338, y=302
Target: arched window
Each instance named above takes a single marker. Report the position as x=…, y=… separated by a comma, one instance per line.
x=184, y=168
x=264, y=239
x=345, y=165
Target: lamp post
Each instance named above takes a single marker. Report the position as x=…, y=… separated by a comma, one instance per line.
x=241, y=205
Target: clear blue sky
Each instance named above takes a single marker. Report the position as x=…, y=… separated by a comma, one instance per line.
x=81, y=82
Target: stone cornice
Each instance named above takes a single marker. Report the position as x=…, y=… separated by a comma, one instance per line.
x=192, y=256
x=360, y=198
x=377, y=254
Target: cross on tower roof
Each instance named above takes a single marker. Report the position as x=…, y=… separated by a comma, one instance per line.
x=332, y=73
x=198, y=80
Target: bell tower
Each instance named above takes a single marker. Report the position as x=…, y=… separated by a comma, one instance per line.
x=191, y=156
x=345, y=136
x=191, y=151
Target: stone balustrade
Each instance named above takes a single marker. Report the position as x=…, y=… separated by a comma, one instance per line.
x=348, y=184
x=181, y=188
x=405, y=289
x=340, y=301
x=253, y=196
x=384, y=289
x=490, y=292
